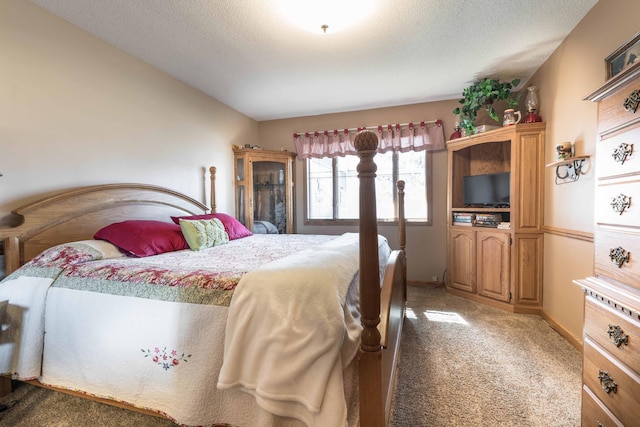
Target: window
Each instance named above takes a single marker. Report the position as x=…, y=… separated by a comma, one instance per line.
x=333, y=187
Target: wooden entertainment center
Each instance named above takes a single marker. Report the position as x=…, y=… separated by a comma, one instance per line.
x=501, y=267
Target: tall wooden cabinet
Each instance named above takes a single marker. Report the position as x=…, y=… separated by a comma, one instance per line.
x=264, y=188
x=499, y=267
x=611, y=356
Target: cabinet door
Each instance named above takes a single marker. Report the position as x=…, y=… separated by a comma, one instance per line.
x=493, y=259
x=270, y=193
x=527, y=249
x=462, y=265
x=242, y=196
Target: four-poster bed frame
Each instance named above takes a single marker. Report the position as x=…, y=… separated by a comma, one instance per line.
x=78, y=213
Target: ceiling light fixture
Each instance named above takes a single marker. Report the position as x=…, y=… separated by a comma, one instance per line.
x=326, y=16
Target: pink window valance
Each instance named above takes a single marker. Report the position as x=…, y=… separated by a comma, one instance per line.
x=399, y=138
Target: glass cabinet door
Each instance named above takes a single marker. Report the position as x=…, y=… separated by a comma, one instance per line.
x=269, y=194
x=240, y=191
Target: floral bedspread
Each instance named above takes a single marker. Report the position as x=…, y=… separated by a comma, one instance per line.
x=204, y=277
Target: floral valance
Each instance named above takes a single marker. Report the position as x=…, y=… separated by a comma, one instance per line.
x=399, y=138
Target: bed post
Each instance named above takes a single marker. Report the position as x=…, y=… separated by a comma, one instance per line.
x=371, y=400
x=402, y=235
x=212, y=171
x=402, y=232
x=11, y=254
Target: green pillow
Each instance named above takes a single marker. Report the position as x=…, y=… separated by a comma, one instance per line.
x=203, y=233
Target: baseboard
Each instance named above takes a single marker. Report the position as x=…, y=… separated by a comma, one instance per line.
x=424, y=284
x=573, y=340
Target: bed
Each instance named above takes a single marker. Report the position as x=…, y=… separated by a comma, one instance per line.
x=254, y=330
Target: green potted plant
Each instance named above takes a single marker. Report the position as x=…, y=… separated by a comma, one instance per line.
x=482, y=94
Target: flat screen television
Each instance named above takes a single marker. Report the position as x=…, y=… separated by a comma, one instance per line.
x=490, y=190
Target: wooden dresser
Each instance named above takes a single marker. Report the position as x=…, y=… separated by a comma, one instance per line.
x=611, y=364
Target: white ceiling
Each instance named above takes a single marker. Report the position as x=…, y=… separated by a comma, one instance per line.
x=246, y=55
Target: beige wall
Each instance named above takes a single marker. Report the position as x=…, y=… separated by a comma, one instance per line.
x=575, y=70
x=76, y=111
x=426, y=245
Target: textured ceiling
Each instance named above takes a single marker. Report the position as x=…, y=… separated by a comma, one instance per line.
x=246, y=55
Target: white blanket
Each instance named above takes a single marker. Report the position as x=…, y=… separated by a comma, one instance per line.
x=22, y=334
x=290, y=332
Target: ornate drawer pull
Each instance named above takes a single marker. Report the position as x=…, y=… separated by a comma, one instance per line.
x=622, y=152
x=631, y=103
x=607, y=382
x=620, y=203
x=617, y=335
x=619, y=256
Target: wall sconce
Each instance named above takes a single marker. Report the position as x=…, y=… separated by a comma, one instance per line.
x=568, y=166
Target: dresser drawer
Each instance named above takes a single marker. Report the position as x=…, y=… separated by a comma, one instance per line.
x=611, y=158
x=622, y=399
x=594, y=413
x=617, y=333
x=626, y=247
x=611, y=110
x=617, y=202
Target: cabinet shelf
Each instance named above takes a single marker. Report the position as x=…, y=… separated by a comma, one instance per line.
x=483, y=209
x=480, y=228
x=567, y=161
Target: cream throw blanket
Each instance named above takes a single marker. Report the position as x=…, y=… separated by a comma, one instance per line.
x=289, y=333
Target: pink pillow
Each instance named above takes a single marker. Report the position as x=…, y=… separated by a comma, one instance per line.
x=144, y=237
x=232, y=226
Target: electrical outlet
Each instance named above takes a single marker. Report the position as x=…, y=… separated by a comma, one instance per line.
x=434, y=278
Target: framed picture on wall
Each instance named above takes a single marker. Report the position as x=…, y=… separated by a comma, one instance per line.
x=624, y=58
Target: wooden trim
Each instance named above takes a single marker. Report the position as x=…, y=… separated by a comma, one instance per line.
x=565, y=333
x=423, y=284
x=109, y=402
x=613, y=84
x=571, y=234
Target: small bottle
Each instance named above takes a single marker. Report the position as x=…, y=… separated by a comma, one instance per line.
x=281, y=177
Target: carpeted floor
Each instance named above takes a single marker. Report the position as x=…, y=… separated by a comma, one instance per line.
x=463, y=364
x=466, y=364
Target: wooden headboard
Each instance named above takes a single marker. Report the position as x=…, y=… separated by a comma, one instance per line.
x=78, y=213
